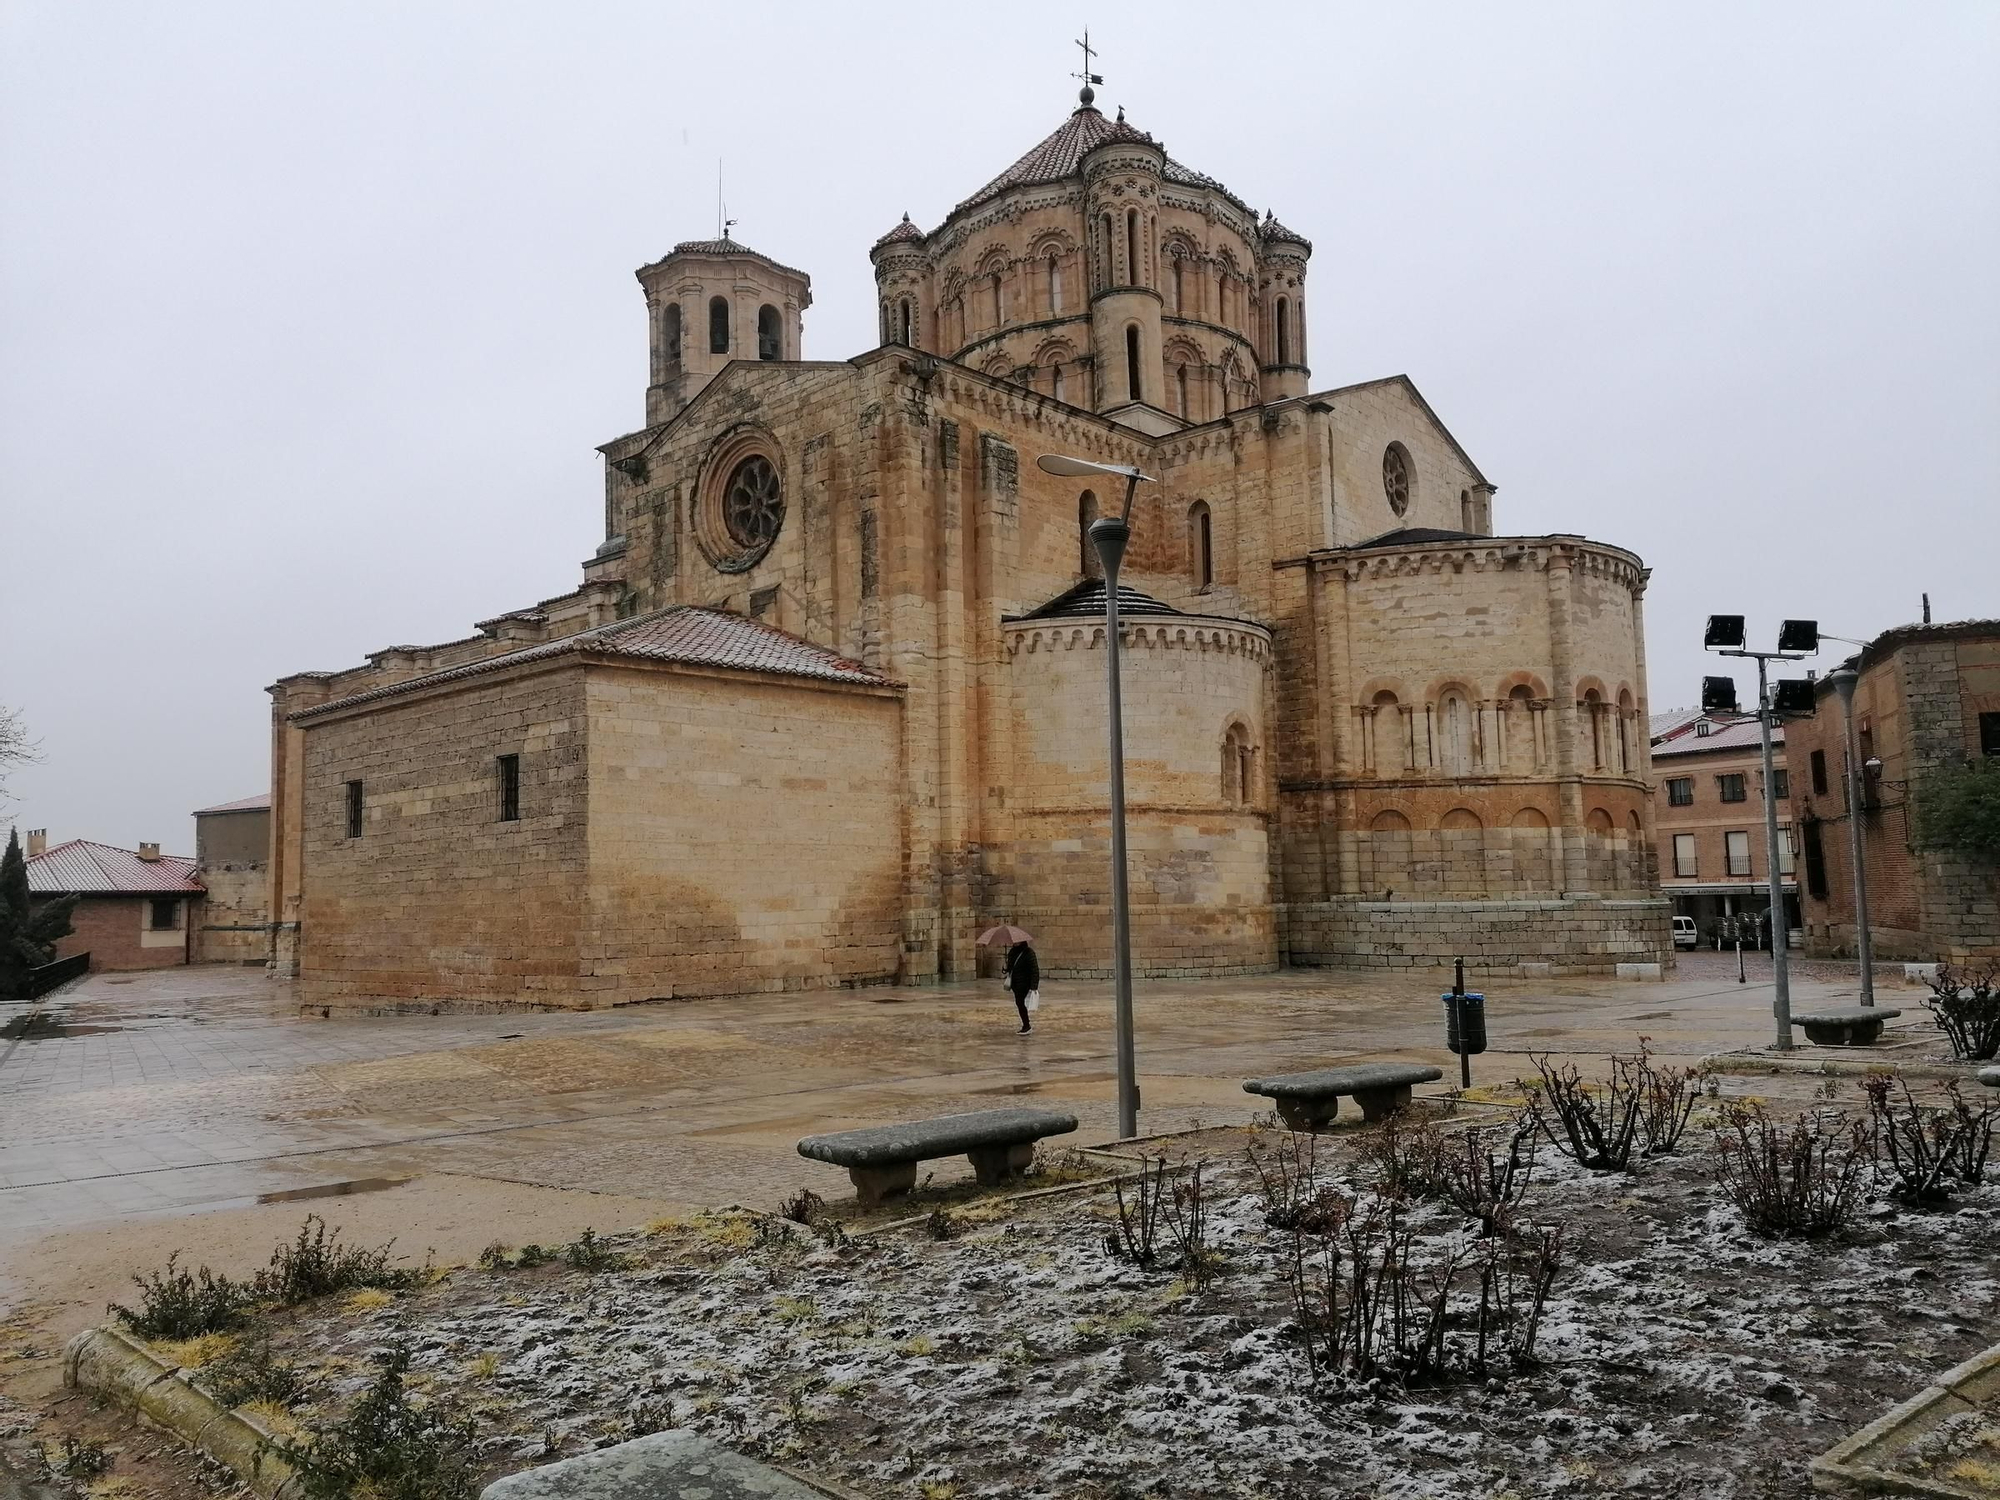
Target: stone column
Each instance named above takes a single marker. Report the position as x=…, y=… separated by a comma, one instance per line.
x=1569, y=782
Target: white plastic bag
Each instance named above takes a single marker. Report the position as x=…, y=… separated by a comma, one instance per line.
x=1033, y=1001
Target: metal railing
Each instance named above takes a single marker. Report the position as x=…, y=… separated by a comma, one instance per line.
x=48, y=976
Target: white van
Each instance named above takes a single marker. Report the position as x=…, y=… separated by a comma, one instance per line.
x=1684, y=934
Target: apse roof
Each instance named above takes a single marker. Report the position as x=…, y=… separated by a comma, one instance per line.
x=1060, y=154
x=903, y=231
x=687, y=635
x=1410, y=536
x=1086, y=601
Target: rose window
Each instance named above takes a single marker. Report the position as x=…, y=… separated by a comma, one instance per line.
x=753, y=503
x=1396, y=478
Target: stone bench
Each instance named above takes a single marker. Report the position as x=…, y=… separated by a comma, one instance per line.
x=1990, y=1077
x=1850, y=1026
x=882, y=1160
x=1309, y=1101
x=675, y=1463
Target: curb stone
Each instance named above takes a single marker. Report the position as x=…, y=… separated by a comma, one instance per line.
x=116, y=1366
x=1854, y=1466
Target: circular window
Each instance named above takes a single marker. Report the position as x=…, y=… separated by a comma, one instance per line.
x=753, y=503
x=1396, y=477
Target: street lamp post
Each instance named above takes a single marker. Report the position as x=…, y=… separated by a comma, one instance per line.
x=1109, y=534
x=1796, y=638
x=1844, y=680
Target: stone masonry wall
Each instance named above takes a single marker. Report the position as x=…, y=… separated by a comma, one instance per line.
x=438, y=902
x=745, y=835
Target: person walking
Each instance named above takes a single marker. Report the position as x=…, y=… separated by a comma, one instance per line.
x=1024, y=977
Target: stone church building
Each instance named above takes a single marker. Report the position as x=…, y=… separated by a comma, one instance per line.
x=830, y=698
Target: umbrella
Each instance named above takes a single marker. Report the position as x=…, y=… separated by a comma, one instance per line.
x=1005, y=934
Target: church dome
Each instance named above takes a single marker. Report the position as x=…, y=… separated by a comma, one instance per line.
x=904, y=233
x=1060, y=154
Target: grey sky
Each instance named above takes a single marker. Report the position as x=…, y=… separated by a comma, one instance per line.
x=314, y=314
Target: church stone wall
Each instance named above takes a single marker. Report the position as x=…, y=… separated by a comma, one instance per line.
x=439, y=903
x=746, y=835
x=1197, y=791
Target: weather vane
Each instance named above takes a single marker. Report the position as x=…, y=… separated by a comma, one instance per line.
x=1088, y=77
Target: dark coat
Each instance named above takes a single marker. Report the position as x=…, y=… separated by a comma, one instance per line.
x=1024, y=971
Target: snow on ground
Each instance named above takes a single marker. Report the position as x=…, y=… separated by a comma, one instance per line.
x=1680, y=1355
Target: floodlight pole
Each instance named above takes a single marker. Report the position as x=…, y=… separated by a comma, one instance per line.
x=1109, y=535
x=1844, y=680
x=1781, y=925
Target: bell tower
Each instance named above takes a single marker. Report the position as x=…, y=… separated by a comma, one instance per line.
x=712, y=301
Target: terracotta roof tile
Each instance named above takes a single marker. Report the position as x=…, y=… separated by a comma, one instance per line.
x=1060, y=154
x=1271, y=230
x=1741, y=735
x=686, y=634
x=904, y=231
x=83, y=868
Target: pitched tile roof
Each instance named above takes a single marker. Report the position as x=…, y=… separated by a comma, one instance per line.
x=1271, y=229
x=1673, y=721
x=727, y=246
x=1411, y=536
x=1060, y=154
x=685, y=634
x=903, y=231
x=1086, y=601
x=243, y=804
x=86, y=869
x=1741, y=735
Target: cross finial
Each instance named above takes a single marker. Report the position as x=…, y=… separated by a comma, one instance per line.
x=1086, y=95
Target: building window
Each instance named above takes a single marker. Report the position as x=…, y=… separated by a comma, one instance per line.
x=1736, y=852
x=1680, y=791
x=509, y=767
x=1177, y=264
x=1201, y=547
x=1132, y=247
x=718, y=325
x=1732, y=787
x=753, y=505
x=1086, y=512
x=1132, y=362
x=1703, y=729
x=1781, y=784
x=770, y=333
x=1819, y=772
x=1685, y=865
x=1055, y=285
x=1396, y=477
x=1465, y=510
x=909, y=324
x=354, y=809
x=1815, y=863
x=1786, y=852
x=165, y=915
x=1180, y=382
x=670, y=335
x=1239, y=779
x=1056, y=382
x=1989, y=734
x=1284, y=332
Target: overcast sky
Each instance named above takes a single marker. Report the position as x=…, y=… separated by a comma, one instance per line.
x=315, y=313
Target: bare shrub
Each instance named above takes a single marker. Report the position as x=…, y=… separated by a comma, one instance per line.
x=1965, y=1005
x=1369, y=1299
x=1666, y=1101
x=1403, y=1157
x=1930, y=1153
x=1481, y=1184
x=1594, y=1124
x=1288, y=1182
x=315, y=1263
x=1136, y=1237
x=1187, y=1220
x=1176, y=1201
x=940, y=1225
x=801, y=1207
x=1802, y=1179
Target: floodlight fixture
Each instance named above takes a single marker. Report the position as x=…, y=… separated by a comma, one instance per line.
x=1793, y=695
x=1798, y=637
x=1718, y=695
x=1723, y=631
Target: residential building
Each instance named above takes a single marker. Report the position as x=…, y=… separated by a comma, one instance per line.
x=232, y=852
x=1708, y=808
x=1927, y=699
x=137, y=908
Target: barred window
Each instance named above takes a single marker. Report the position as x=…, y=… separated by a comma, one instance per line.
x=1732, y=787
x=509, y=769
x=354, y=809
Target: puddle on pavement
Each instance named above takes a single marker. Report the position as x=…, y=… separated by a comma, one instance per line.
x=42, y=1028
x=1039, y=1084
x=333, y=1189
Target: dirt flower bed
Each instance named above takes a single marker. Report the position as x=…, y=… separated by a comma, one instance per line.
x=1077, y=1348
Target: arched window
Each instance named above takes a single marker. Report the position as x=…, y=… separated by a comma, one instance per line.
x=1465, y=511
x=1201, y=548
x=888, y=325
x=999, y=300
x=1056, y=381
x=1108, y=272
x=1388, y=749
x=1455, y=729
x=718, y=325
x=1132, y=362
x=1179, y=266
x=1625, y=734
x=1239, y=767
x=771, y=333
x=1132, y=247
x=1521, y=729
x=1086, y=512
x=1180, y=383
x=670, y=335
x=906, y=320
x=1593, y=708
x=1055, y=284
x=1284, y=332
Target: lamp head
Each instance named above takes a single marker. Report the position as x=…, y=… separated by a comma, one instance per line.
x=1724, y=632
x=1081, y=468
x=1799, y=636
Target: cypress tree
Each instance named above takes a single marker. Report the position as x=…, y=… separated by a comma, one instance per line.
x=28, y=934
